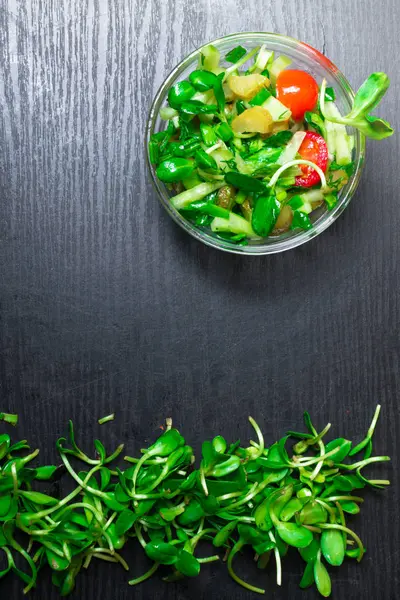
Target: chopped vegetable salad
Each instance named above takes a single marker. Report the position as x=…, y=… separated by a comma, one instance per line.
x=252, y=148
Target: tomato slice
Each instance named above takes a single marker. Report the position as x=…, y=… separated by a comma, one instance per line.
x=313, y=148
x=298, y=91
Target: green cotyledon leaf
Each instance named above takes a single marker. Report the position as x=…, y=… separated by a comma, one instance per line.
x=223, y=534
x=162, y=552
x=310, y=552
x=294, y=535
x=333, y=546
x=322, y=579
x=313, y=513
x=367, y=98
x=169, y=441
x=265, y=214
x=308, y=576
x=187, y=564
x=343, y=448
x=369, y=94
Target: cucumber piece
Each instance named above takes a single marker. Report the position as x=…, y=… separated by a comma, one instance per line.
x=235, y=224
x=167, y=113
x=303, y=202
x=278, y=66
x=198, y=192
x=292, y=148
x=209, y=58
x=337, y=137
x=264, y=56
x=221, y=155
x=277, y=110
x=192, y=181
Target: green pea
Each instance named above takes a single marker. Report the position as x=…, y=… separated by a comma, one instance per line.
x=180, y=92
x=175, y=169
x=203, y=80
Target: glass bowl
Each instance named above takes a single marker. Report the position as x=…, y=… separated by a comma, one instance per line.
x=304, y=57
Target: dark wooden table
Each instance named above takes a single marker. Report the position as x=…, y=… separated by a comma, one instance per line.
x=107, y=306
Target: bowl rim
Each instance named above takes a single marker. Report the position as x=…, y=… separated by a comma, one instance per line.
x=279, y=245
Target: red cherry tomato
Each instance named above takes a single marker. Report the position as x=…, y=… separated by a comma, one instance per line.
x=298, y=91
x=313, y=148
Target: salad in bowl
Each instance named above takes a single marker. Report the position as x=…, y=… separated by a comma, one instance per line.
x=253, y=150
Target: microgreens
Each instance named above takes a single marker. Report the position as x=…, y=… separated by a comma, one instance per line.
x=258, y=496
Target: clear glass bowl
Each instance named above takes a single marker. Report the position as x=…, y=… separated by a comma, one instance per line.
x=304, y=57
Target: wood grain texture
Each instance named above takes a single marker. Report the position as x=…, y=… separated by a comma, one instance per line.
x=107, y=306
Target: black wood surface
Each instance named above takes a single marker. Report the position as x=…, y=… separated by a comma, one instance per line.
x=107, y=306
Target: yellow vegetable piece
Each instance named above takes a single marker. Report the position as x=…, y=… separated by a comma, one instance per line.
x=280, y=126
x=253, y=120
x=247, y=86
x=284, y=220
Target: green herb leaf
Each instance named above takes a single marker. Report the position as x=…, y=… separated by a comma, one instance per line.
x=187, y=564
x=322, y=579
x=265, y=214
x=235, y=54
x=333, y=547
x=161, y=552
x=294, y=535
x=367, y=98
x=244, y=182
x=308, y=576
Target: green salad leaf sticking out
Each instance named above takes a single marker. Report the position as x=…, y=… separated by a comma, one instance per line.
x=267, y=497
x=9, y=418
x=236, y=128
x=367, y=98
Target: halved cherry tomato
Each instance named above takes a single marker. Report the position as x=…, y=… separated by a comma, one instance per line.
x=313, y=148
x=298, y=91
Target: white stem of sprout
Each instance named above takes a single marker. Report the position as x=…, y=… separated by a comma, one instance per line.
x=292, y=163
x=277, y=560
x=212, y=148
x=322, y=97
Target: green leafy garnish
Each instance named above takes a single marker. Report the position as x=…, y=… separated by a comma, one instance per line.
x=235, y=54
x=270, y=498
x=367, y=98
